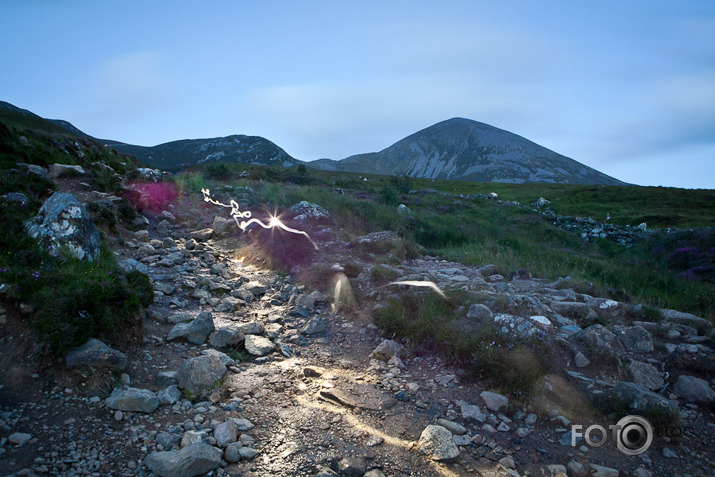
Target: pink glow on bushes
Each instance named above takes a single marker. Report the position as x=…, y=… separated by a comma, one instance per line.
x=152, y=196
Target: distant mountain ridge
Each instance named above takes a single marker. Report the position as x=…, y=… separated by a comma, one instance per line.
x=456, y=149
x=462, y=149
x=230, y=149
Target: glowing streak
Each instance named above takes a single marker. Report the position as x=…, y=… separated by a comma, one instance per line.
x=411, y=283
x=237, y=214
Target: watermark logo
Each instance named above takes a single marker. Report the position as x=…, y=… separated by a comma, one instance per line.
x=633, y=435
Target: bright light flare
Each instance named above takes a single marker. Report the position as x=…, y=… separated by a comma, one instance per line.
x=237, y=214
x=414, y=283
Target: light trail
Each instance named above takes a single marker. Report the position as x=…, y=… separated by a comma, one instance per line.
x=414, y=283
x=238, y=215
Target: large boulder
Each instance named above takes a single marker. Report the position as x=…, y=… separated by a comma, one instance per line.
x=702, y=325
x=196, y=459
x=641, y=400
x=200, y=328
x=599, y=341
x=437, y=443
x=308, y=211
x=63, y=222
x=635, y=339
x=133, y=400
x=694, y=389
x=96, y=354
x=199, y=374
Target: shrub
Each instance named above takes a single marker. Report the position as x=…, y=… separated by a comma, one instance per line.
x=72, y=299
x=218, y=171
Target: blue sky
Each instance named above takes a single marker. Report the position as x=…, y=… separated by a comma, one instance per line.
x=626, y=87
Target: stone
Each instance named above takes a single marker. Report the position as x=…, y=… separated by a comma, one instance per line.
x=544, y=470
x=645, y=375
x=179, y=331
x=581, y=360
x=169, y=395
x=258, y=345
x=200, y=328
x=602, y=471
x=190, y=244
x=508, y=462
x=641, y=472
x=480, y=312
x=190, y=461
x=471, y=411
x=703, y=326
x=202, y=235
x=226, y=433
x=326, y=472
x=58, y=169
x=314, y=326
x=19, y=198
x=251, y=328
x=225, y=359
x=129, y=265
x=374, y=473
x=635, y=339
x=64, y=223
x=194, y=437
x=577, y=469
x=386, y=350
x=352, y=467
x=225, y=336
x=96, y=354
x=168, y=440
x=453, y=427
x=221, y=226
x=638, y=398
x=231, y=454
x=229, y=304
x=495, y=402
x=437, y=443
x=304, y=211
x=242, y=424
x=244, y=295
x=542, y=322
x=600, y=340
x=200, y=374
x=19, y=438
x=515, y=325
x=132, y=399
x=248, y=453
x=165, y=288
x=256, y=288
x=694, y=389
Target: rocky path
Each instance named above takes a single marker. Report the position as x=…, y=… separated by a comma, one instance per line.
x=304, y=397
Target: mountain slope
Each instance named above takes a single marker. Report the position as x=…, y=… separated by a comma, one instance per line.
x=462, y=149
x=230, y=149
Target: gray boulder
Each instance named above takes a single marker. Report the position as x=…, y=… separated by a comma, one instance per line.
x=167, y=440
x=638, y=398
x=95, y=353
x=258, y=345
x=703, y=326
x=169, y=395
x=225, y=336
x=635, y=339
x=480, y=312
x=314, y=326
x=646, y=375
x=386, y=350
x=226, y=433
x=63, y=222
x=308, y=211
x=694, y=389
x=251, y=328
x=495, y=402
x=18, y=197
x=437, y=443
x=190, y=461
x=133, y=400
x=200, y=374
x=179, y=331
x=352, y=466
x=600, y=340
x=200, y=328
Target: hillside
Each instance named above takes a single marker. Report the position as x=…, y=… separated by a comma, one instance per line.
x=462, y=149
x=232, y=149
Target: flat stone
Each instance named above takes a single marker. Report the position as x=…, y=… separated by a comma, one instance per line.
x=19, y=438
x=95, y=353
x=251, y=328
x=603, y=471
x=359, y=396
x=453, y=427
x=190, y=461
x=133, y=399
x=694, y=389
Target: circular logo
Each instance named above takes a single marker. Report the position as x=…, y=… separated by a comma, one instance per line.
x=634, y=435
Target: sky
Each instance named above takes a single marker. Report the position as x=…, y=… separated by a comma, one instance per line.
x=626, y=87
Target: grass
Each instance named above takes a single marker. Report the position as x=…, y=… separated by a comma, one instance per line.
x=513, y=364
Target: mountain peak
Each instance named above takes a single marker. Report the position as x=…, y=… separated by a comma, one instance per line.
x=464, y=149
